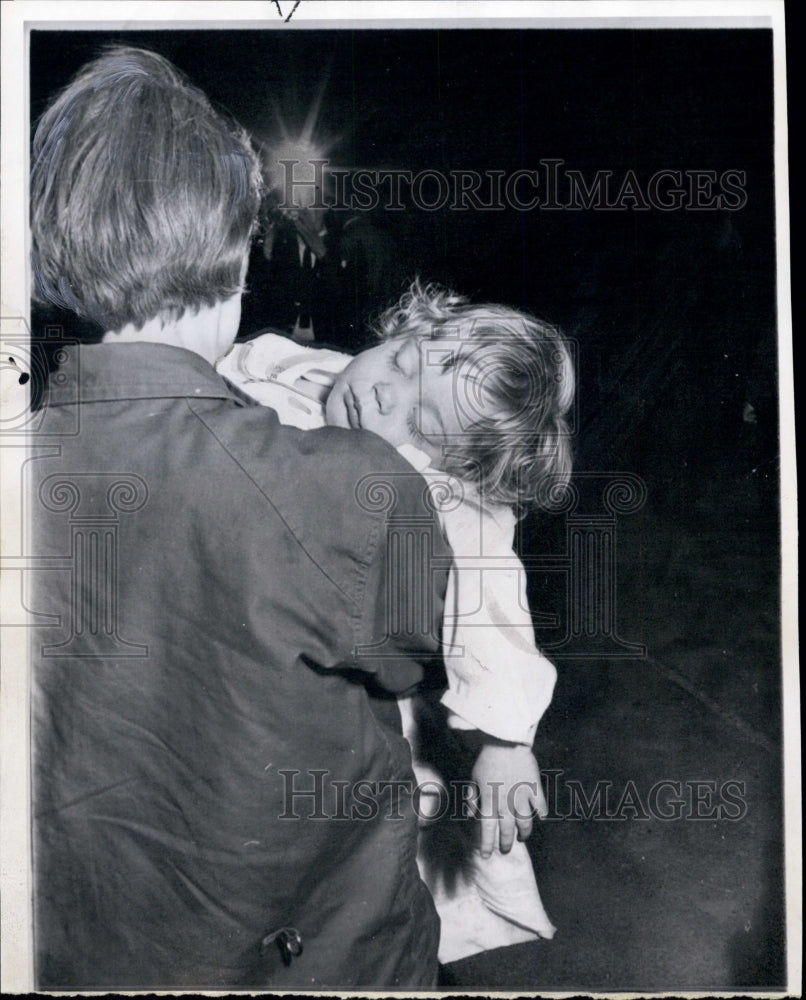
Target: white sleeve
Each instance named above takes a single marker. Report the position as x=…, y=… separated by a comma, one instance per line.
x=498, y=681
x=266, y=368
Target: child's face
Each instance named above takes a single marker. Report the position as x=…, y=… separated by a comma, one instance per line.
x=401, y=391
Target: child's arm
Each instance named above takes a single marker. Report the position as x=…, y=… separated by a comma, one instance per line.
x=498, y=681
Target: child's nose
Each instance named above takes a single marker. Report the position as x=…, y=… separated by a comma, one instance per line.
x=385, y=396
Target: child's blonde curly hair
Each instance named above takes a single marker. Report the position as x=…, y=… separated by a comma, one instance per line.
x=523, y=454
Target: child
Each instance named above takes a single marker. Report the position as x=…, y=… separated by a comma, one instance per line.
x=476, y=398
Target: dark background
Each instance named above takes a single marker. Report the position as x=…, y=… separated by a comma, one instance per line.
x=674, y=312
x=674, y=318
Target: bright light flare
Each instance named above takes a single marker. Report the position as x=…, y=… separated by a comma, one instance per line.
x=303, y=146
x=297, y=155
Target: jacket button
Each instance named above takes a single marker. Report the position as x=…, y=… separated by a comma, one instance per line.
x=288, y=941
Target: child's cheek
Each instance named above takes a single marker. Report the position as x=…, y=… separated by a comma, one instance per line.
x=332, y=418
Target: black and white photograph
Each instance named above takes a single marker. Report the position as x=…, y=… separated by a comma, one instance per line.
x=399, y=505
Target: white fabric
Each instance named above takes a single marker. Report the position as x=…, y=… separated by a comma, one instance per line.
x=494, y=903
x=498, y=681
x=267, y=369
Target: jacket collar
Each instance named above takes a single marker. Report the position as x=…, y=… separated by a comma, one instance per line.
x=96, y=372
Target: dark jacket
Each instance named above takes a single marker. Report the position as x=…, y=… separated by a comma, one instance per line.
x=215, y=581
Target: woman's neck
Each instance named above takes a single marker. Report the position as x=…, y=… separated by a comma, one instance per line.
x=210, y=332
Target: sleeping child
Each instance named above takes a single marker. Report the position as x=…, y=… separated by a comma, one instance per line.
x=476, y=398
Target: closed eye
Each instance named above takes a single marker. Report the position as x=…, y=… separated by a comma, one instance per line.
x=405, y=360
x=413, y=429
x=393, y=361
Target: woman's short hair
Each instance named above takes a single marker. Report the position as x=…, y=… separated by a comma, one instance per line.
x=522, y=455
x=143, y=197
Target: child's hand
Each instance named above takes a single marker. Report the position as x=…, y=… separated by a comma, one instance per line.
x=510, y=792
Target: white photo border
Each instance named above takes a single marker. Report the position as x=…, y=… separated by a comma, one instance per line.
x=18, y=18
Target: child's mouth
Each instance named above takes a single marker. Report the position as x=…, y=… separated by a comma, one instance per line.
x=353, y=409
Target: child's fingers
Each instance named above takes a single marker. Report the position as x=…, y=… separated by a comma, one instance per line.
x=506, y=833
x=489, y=834
x=539, y=802
x=524, y=825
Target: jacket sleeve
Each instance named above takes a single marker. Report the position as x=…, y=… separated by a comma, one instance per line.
x=359, y=517
x=398, y=630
